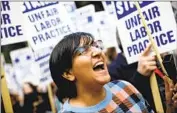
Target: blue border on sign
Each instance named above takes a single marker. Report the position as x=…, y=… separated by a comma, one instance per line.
x=131, y=10
x=33, y=9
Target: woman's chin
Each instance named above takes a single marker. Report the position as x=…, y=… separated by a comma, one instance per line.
x=104, y=80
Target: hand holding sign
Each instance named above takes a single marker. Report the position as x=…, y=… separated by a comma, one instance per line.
x=170, y=95
x=146, y=63
x=174, y=98
x=168, y=89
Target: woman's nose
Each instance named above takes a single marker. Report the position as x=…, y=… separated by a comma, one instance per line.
x=96, y=52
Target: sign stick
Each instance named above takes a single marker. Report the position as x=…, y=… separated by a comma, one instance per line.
x=153, y=80
x=151, y=39
x=5, y=93
x=156, y=94
x=50, y=95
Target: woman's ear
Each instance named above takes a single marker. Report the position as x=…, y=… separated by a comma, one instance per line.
x=69, y=76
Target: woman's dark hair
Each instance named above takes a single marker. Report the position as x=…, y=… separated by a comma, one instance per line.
x=61, y=61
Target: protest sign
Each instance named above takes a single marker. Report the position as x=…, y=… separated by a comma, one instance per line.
x=110, y=9
x=160, y=20
x=12, y=84
x=47, y=23
x=107, y=30
x=42, y=59
x=25, y=68
x=71, y=8
x=12, y=29
x=86, y=20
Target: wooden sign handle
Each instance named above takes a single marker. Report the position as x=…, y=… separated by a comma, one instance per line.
x=51, y=99
x=155, y=49
x=5, y=93
x=153, y=80
x=156, y=94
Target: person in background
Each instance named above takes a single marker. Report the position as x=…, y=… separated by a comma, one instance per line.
x=15, y=103
x=43, y=105
x=170, y=95
x=111, y=54
x=30, y=96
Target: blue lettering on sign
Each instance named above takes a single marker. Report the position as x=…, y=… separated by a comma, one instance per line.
x=89, y=19
x=43, y=79
x=17, y=60
x=43, y=63
x=11, y=31
x=108, y=2
x=42, y=57
x=125, y=8
x=5, y=6
x=28, y=57
x=149, y=14
x=5, y=19
x=36, y=16
x=47, y=24
x=141, y=32
x=8, y=31
x=160, y=39
x=46, y=70
x=31, y=6
x=53, y=33
x=102, y=22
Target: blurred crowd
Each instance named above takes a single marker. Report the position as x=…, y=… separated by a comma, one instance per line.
x=34, y=100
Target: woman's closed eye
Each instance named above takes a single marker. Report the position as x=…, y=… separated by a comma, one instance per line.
x=82, y=50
